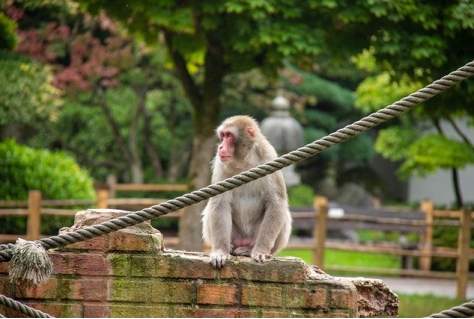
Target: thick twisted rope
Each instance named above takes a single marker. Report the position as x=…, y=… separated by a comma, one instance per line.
x=466, y=310
x=260, y=171
x=24, y=309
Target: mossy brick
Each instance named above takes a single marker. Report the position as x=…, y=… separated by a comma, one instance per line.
x=262, y=295
x=217, y=294
x=80, y=264
x=123, y=289
x=262, y=313
x=146, y=266
x=274, y=270
x=230, y=270
x=96, y=310
x=343, y=298
x=138, y=311
x=172, y=292
x=45, y=290
x=6, y=286
x=306, y=297
x=84, y=289
x=172, y=266
x=200, y=312
x=120, y=264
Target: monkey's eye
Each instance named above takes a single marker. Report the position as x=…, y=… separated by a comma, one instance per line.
x=225, y=135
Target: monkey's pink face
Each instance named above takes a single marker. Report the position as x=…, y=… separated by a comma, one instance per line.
x=226, y=147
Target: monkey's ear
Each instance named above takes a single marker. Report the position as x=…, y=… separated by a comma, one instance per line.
x=251, y=131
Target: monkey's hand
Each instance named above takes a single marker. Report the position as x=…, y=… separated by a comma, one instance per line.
x=218, y=258
x=260, y=257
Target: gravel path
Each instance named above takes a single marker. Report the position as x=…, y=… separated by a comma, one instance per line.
x=439, y=287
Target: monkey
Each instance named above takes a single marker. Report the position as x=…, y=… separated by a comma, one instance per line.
x=254, y=219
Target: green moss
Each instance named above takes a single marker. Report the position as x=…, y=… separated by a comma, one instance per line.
x=120, y=264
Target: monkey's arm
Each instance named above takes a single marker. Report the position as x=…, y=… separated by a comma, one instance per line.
x=217, y=226
x=275, y=227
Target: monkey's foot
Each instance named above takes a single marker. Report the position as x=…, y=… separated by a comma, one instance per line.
x=260, y=257
x=242, y=251
x=218, y=259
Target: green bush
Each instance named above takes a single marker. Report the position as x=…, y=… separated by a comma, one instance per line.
x=56, y=175
x=301, y=195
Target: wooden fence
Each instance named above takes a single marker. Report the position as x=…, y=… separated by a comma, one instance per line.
x=35, y=206
x=314, y=218
x=319, y=221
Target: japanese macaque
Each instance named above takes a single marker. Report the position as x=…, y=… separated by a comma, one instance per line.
x=251, y=220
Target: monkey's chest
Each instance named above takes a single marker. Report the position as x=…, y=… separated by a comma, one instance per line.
x=247, y=209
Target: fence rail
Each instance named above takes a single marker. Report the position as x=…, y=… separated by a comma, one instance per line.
x=425, y=249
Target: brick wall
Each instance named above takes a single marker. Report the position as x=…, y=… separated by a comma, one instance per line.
x=129, y=274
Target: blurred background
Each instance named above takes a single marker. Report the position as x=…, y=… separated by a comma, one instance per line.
x=135, y=89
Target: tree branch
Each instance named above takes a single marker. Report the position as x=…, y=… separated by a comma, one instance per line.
x=192, y=91
x=115, y=129
x=460, y=133
x=150, y=149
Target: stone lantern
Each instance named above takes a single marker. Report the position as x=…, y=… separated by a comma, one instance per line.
x=285, y=134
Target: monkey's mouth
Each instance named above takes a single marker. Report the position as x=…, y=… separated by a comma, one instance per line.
x=225, y=158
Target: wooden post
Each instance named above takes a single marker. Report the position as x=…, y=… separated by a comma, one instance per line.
x=427, y=241
x=33, y=224
x=111, y=182
x=319, y=235
x=462, y=266
x=102, y=197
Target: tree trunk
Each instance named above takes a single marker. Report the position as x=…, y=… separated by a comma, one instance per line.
x=457, y=188
x=179, y=160
x=206, y=107
x=150, y=149
x=190, y=228
x=136, y=168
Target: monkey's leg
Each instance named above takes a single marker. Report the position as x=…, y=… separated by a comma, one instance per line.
x=242, y=251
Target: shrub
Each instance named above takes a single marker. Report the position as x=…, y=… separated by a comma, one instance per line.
x=301, y=195
x=56, y=175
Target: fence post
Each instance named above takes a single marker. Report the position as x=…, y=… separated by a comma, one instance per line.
x=319, y=235
x=33, y=224
x=462, y=266
x=102, y=197
x=427, y=241
x=111, y=182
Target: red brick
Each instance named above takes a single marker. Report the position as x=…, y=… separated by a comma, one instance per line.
x=172, y=292
x=45, y=290
x=343, y=299
x=263, y=295
x=216, y=294
x=59, y=310
x=131, y=241
x=306, y=297
x=4, y=267
x=97, y=243
x=188, y=266
x=94, y=310
x=274, y=270
x=84, y=289
x=80, y=264
x=183, y=312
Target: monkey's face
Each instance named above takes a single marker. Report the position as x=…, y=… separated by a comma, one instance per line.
x=236, y=136
x=226, y=147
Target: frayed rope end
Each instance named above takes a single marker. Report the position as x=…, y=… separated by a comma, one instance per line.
x=30, y=264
